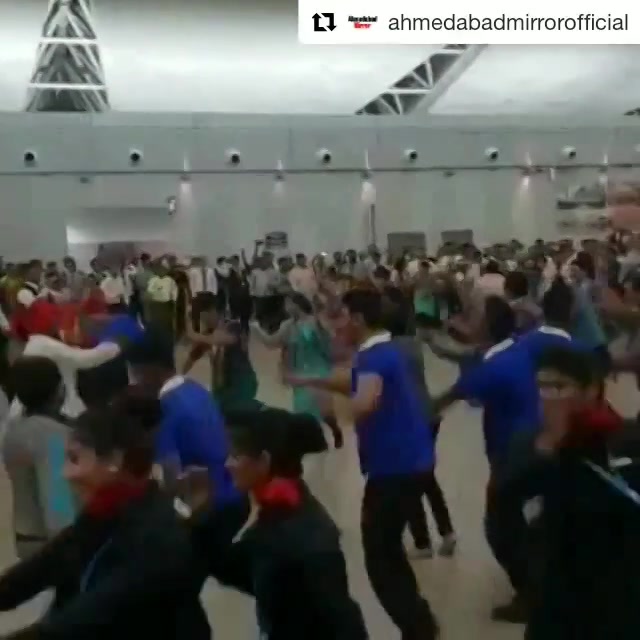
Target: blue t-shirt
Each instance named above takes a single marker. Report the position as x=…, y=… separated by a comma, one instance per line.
x=121, y=327
x=192, y=433
x=504, y=383
x=396, y=437
x=539, y=340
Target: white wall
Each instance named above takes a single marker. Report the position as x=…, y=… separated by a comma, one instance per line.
x=209, y=55
x=84, y=166
x=319, y=211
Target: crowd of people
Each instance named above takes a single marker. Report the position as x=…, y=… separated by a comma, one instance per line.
x=133, y=484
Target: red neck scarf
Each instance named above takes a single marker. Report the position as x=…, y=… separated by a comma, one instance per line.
x=112, y=498
x=598, y=420
x=279, y=493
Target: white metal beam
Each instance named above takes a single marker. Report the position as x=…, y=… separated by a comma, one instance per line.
x=424, y=84
x=64, y=86
x=68, y=73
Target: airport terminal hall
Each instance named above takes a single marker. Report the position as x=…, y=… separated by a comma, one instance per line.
x=315, y=342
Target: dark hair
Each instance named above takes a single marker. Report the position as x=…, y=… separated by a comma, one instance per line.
x=492, y=267
x=381, y=273
x=221, y=260
x=33, y=264
x=500, y=318
x=368, y=304
x=35, y=381
x=516, y=284
x=577, y=364
x=125, y=426
x=302, y=302
x=155, y=348
x=557, y=303
x=584, y=261
x=286, y=437
x=400, y=264
x=207, y=301
x=397, y=312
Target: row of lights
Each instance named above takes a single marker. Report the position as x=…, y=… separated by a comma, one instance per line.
x=323, y=156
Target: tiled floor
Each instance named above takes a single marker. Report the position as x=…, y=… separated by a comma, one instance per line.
x=462, y=590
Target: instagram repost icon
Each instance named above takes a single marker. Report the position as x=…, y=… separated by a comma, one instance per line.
x=324, y=22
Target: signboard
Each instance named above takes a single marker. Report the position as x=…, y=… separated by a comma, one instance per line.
x=277, y=242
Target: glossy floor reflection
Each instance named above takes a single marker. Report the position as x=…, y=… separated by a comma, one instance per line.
x=462, y=589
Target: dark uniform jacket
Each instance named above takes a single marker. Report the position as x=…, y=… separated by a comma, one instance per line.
x=586, y=585
x=291, y=561
x=129, y=576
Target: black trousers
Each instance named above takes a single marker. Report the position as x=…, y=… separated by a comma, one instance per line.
x=198, y=303
x=136, y=308
x=241, y=308
x=386, y=510
x=270, y=312
x=97, y=387
x=509, y=537
x=433, y=491
x=5, y=367
x=418, y=519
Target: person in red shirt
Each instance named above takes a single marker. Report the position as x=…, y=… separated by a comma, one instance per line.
x=94, y=302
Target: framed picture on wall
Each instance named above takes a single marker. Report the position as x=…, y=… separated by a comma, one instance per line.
x=580, y=203
x=457, y=236
x=399, y=243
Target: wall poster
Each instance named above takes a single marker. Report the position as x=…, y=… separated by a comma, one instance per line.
x=591, y=203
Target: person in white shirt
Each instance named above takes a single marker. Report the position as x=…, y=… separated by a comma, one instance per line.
x=54, y=289
x=162, y=294
x=44, y=341
x=115, y=292
x=302, y=277
x=31, y=290
x=75, y=281
x=203, y=285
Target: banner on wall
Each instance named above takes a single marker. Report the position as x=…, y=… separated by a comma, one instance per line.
x=277, y=242
x=593, y=206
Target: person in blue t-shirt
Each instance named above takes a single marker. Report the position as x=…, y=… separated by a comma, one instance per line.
x=502, y=382
x=100, y=385
x=557, y=307
x=191, y=434
x=395, y=444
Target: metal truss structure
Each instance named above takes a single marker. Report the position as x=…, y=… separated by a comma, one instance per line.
x=68, y=74
x=424, y=84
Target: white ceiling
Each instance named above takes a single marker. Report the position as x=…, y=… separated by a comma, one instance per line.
x=235, y=56
x=242, y=56
x=549, y=80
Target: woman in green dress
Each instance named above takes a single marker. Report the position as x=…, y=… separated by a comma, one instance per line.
x=306, y=351
x=426, y=305
x=234, y=382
